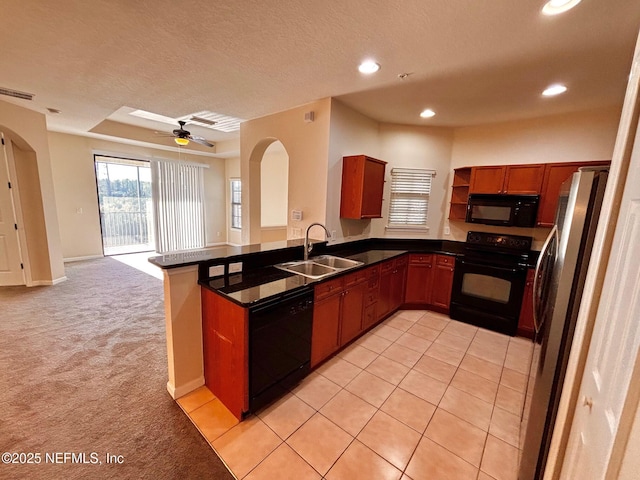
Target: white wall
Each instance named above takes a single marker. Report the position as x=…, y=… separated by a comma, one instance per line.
x=274, y=174
x=76, y=195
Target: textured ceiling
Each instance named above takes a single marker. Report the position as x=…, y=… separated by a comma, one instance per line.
x=471, y=61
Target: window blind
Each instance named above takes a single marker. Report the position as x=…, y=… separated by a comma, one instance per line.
x=178, y=201
x=410, y=190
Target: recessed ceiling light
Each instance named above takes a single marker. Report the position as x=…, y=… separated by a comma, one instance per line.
x=555, y=89
x=368, y=67
x=428, y=113
x=554, y=7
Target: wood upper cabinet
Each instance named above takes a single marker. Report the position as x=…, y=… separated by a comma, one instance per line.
x=362, y=187
x=419, y=279
x=225, y=341
x=460, y=193
x=555, y=175
x=511, y=179
x=442, y=282
x=525, y=323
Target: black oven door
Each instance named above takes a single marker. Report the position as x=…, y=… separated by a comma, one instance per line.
x=488, y=295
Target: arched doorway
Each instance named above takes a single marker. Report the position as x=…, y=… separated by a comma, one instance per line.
x=274, y=182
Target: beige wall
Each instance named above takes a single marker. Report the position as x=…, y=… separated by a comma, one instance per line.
x=27, y=130
x=307, y=146
x=77, y=202
x=274, y=174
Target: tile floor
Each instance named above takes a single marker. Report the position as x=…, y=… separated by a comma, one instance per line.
x=418, y=397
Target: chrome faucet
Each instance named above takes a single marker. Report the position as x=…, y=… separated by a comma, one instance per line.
x=309, y=246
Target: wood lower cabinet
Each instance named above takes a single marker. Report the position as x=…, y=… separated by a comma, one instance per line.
x=525, y=323
x=370, y=316
x=225, y=337
x=352, y=310
x=442, y=282
x=392, y=284
x=419, y=279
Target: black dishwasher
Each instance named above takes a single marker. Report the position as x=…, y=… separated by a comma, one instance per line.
x=279, y=345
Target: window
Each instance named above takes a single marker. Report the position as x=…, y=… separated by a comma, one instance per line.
x=410, y=190
x=236, y=203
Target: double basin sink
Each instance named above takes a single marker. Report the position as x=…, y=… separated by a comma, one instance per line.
x=319, y=267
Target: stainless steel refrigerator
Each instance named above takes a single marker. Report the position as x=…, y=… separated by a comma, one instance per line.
x=560, y=275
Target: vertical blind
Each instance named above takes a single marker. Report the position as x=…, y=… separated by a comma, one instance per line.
x=178, y=198
x=410, y=190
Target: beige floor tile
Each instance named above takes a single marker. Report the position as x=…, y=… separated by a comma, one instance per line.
x=423, y=331
x=423, y=386
x=412, y=315
x=433, y=462
x=509, y=400
x=453, y=341
x=375, y=343
x=339, y=371
x=417, y=344
x=481, y=367
x=505, y=426
x=361, y=463
x=518, y=362
x=389, y=438
x=316, y=390
x=484, y=476
x=399, y=322
x=404, y=355
x=500, y=460
x=521, y=345
x=457, y=436
x=434, y=321
x=513, y=379
x=489, y=337
x=284, y=464
x=286, y=415
x=348, y=411
x=370, y=388
x=320, y=442
x=475, y=385
x=387, y=332
x=445, y=354
x=461, y=329
x=195, y=399
x=358, y=355
x=435, y=368
x=467, y=407
x=491, y=353
x=246, y=445
x=213, y=419
x=409, y=409
x=387, y=369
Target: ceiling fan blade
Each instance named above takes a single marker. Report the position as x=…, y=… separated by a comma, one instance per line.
x=163, y=134
x=200, y=140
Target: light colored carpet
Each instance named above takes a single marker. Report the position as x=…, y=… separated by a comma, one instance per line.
x=83, y=369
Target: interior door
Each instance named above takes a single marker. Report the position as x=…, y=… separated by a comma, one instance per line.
x=607, y=402
x=11, y=271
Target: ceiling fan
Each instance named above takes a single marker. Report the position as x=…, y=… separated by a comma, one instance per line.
x=182, y=137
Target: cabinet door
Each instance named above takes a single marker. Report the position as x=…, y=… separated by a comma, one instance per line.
x=487, y=179
x=326, y=327
x=525, y=323
x=398, y=282
x=384, y=296
x=372, y=189
x=554, y=176
x=419, y=279
x=524, y=179
x=442, y=282
x=352, y=309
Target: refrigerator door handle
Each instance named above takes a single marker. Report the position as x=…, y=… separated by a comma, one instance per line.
x=536, y=299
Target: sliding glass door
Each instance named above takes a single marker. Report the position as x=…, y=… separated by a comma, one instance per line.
x=124, y=196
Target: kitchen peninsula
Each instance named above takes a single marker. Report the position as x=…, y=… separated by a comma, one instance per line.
x=390, y=273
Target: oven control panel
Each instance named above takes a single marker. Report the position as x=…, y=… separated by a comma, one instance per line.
x=512, y=242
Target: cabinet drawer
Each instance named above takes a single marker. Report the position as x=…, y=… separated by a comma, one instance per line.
x=371, y=296
x=328, y=288
x=420, y=259
x=355, y=277
x=447, y=260
x=387, y=266
x=402, y=261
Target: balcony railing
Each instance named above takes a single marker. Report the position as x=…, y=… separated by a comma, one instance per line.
x=120, y=229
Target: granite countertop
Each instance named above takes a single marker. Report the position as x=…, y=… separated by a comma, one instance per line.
x=248, y=289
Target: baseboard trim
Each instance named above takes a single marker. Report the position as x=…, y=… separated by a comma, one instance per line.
x=47, y=283
x=79, y=259
x=182, y=390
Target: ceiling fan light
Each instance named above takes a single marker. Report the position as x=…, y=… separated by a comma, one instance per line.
x=555, y=7
x=182, y=141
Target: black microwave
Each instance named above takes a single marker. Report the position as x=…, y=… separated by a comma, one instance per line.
x=503, y=210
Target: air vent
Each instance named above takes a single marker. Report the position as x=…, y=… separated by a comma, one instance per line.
x=14, y=93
